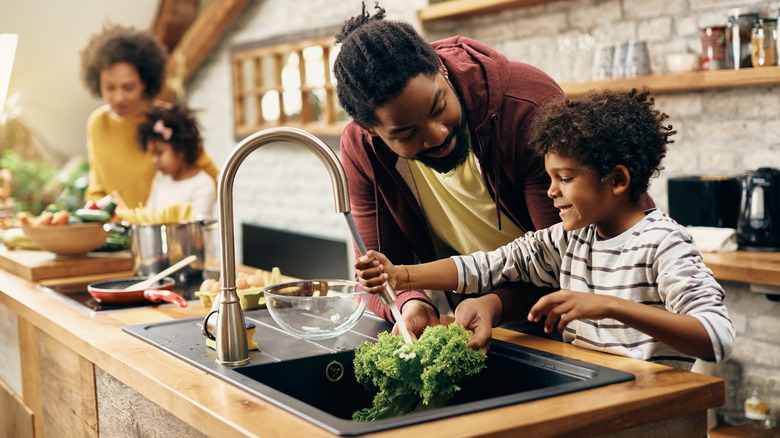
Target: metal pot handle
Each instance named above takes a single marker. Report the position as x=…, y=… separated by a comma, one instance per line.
x=209, y=224
x=116, y=228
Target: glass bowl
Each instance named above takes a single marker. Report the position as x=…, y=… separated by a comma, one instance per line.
x=316, y=309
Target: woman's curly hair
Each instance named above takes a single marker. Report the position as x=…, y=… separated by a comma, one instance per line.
x=185, y=133
x=376, y=61
x=115, y=44
x=603, y=129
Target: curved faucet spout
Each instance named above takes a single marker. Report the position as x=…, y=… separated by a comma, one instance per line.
x=230, y=336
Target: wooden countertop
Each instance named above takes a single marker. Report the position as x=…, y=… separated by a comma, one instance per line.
x=745, y=266
x=219, y=409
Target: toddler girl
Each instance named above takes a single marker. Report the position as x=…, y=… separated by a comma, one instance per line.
x=172, y=137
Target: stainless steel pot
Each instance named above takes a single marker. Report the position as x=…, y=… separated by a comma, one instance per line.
x=156, y=247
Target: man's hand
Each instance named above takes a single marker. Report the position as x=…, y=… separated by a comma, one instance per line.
x=479, y=315
x=417, y=315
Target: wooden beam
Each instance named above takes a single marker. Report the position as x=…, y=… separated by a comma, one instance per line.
x=197, y=42
x=173, y=19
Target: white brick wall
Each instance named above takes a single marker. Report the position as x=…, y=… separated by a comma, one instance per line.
x=720, y=131
x=278, y=186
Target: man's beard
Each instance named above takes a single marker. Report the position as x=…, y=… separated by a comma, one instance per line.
x=458, y=155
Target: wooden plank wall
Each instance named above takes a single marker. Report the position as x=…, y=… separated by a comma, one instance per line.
x=58, y=386
x=123, y=412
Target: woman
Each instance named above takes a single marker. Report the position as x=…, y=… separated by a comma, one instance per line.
x=126, y=68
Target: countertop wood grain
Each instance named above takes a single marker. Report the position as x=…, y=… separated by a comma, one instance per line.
x=219, y=409
x=745, y=266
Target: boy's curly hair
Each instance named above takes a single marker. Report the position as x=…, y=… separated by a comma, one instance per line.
x=115, y=44
x=602, y=129
x=185, y=136
x=376, y=61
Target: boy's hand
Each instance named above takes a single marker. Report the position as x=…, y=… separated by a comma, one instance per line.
x=565, y=306
x=373, y=269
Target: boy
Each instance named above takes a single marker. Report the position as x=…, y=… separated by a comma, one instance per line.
x=173, y=139
x=631, y=282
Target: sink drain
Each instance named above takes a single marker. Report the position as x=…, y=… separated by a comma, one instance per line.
x=334, y=371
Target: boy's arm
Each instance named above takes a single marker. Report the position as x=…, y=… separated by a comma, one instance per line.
x=684, y=333
x=694, y=319
x=374, y=268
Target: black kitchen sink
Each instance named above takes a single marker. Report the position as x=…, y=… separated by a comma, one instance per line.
x=315, y=379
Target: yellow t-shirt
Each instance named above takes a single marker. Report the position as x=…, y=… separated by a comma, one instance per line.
x=116, y=161
x=459, y=208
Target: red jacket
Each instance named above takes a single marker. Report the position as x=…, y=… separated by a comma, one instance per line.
x=500, y=99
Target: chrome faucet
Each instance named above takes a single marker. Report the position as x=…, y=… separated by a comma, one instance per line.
x=230, y=334
x=229, y=331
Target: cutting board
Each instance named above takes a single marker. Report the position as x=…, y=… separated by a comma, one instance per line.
x=40, y=265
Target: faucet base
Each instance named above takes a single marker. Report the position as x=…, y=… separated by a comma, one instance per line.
x=232, y=347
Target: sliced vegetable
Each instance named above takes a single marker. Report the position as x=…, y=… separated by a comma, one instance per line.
x=15, y=238
x=44, y=219
x=115, y=242
x=92, y=215
x=104, y=201
x=24, y=218
x=61, y=217
x=109, y=208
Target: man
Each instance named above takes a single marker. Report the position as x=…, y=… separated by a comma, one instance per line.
x=437, y=157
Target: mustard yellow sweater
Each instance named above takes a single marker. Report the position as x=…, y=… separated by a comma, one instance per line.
x=116, y=161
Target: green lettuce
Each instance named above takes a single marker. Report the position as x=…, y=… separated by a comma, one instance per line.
x=417, y=377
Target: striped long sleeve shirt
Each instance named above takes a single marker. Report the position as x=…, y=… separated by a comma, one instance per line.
x=655, y=263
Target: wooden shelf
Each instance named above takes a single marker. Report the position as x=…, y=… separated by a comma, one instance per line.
x=469, y=8
x=679, y=82
x=660, y=84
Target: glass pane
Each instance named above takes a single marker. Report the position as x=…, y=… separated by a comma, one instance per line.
x=291, y=75
x=334, y=52
x=270, y=105
x=247, y=74
x=315, y=70
x=317, y=103
x=250, y=112
x=268, y=72
x=343, y=117
x=292, y=104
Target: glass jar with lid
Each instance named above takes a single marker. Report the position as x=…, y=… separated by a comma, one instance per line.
x=763, y=43
x=738, y=36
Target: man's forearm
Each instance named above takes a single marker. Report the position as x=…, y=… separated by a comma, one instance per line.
x=375, y=304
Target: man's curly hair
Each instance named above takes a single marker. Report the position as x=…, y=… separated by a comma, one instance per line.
x=603, y=129
x=115, y=44
x=376, y=61
x=185, y=135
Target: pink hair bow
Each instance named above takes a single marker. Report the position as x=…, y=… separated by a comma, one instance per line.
x=164, y=131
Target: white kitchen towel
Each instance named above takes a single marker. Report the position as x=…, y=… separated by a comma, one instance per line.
x=714, y=239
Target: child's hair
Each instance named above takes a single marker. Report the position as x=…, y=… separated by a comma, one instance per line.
x=175, y=125
x=376, y=61
x=115, y=44
x=603, y=129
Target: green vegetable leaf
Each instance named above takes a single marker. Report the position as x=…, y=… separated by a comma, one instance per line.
x=417, y=377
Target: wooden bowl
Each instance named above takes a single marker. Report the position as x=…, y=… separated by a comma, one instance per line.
x=67, y=240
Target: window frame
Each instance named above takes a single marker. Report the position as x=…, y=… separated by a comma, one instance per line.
x=330, y=125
